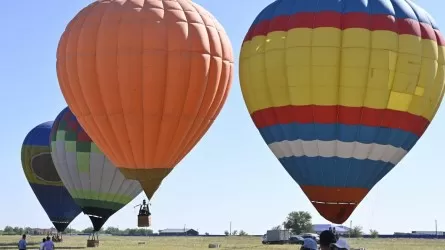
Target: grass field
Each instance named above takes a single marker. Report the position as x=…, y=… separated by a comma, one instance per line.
x=178, y=243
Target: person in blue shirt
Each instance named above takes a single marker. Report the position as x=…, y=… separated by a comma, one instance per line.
x=49, y=245
x=22, y=243
x=309, y=244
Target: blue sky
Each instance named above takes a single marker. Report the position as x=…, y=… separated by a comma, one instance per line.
x=231, y=175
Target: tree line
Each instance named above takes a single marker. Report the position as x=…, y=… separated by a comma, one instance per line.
x=9, y=230
x=299, y=222
x=236, y=232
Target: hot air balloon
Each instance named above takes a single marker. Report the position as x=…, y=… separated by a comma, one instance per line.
x=93, y=181
x=44, y=180
x=341, y=91
x=160, y=74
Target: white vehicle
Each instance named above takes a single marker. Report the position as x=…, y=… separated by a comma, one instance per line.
x=316, y=237
x=276, y=237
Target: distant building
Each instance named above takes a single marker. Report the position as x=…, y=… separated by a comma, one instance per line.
x=178, y=232
x=42, y=231
x=427, y=233
x=401, y=233
x=341, y=230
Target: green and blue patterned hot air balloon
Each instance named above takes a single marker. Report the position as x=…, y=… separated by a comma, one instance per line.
x=96, y=185
x=44, y=180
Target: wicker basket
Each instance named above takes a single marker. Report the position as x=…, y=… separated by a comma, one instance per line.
x=144, y=220
x=92, y=243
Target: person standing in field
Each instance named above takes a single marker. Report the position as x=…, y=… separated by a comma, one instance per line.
x=49, y=245
x=22, y=243
x=42, y=245
x=327, y=238
x=334, y=231
x=309, y=244
x=341, y=244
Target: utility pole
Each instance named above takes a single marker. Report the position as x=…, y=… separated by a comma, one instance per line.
x=230, y=229
x=435, y=222
x=350, y=228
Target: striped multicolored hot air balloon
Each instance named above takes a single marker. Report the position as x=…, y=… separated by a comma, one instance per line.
x=341, y=90
x=42, y=176
x=92, y=180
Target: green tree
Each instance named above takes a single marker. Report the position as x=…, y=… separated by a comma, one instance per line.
x=276, y=227
x=133, y=232
x=112, y=230
x=374, y=233
x=18, y=230
x=142, y=232
x=88, y=230
x=298, y=222
x=234, y=232
x=242, y=233
x=226, y=233
x=27, y=230
x=71, y=231
x=8, y=230
x=357, y=232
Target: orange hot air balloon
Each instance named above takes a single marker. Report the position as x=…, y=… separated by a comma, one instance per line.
x=146, y=79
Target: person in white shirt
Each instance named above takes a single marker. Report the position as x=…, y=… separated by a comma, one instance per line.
x=341, y=244
x=42, y=244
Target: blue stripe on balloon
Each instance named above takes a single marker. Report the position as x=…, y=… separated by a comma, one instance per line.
x=335, y=171
x=399, y=8
x=341, y=132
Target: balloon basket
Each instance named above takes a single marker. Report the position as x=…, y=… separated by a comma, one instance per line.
x=144, y=220
x=92, y=243
x=93, y=240
x=57, y=238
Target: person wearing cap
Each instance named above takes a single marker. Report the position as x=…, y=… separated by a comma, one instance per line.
x=327, y=238
x=341, y=244
x=309, y=244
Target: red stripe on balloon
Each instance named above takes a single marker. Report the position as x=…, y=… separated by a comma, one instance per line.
x=342, y=115
x=341, y=21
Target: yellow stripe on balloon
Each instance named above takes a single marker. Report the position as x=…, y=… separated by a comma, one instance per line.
x=355, y=67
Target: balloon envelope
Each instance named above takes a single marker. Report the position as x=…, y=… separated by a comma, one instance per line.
x=92, y=180
x=44, y=180
x=341, y=90
x=161, y=73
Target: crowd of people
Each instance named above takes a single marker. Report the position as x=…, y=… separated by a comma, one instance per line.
x=328, y=241
x=46, y=244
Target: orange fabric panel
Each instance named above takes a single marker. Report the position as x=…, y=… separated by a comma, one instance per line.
x=146, y=79
x=150, y=179
x=335, y=213
x=335, y=194
x=333, y=203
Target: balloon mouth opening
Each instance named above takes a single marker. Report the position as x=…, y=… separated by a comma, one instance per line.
x=335, y=212
x=335, y=203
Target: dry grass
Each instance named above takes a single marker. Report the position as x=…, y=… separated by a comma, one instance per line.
x=186, y=243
